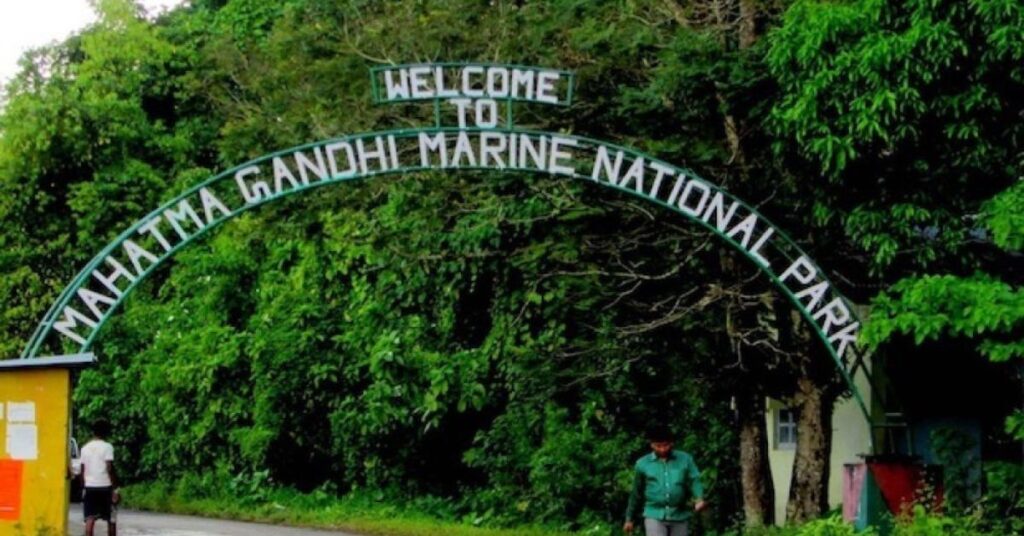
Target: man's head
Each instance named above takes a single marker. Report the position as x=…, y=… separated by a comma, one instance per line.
x=101, y=428
x=662, y=441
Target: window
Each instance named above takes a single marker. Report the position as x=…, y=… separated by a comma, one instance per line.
x=785, y=429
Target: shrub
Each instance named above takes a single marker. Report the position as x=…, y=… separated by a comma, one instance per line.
x=1003, y=504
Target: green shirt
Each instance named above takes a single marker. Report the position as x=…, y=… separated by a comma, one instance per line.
x=666, y=488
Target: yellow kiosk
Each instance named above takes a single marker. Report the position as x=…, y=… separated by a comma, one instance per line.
x=35, y=404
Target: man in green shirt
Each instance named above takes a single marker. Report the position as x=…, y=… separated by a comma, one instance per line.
x=666, y=485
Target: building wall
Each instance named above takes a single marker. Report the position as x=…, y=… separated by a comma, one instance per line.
x=850, y=437
x=34, y=454
x=780, y=461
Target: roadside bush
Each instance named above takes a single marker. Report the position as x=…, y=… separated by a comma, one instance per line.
x=1003, y=503
x=921, y=523
x=832, y=526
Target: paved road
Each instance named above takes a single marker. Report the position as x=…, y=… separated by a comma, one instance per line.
x=132, y=523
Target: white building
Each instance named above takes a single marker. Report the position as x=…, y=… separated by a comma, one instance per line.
x=850, y=438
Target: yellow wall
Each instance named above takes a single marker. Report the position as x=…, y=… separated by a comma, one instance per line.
x=44, y=486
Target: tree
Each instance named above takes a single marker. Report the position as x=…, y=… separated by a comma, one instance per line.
x=906, y=112
x=504, y=318
x=986, y=306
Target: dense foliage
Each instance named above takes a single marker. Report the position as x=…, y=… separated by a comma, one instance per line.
x=498, y=340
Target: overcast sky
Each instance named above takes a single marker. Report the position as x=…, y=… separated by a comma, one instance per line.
x=26, y=24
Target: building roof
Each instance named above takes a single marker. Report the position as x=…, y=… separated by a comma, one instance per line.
x=73, y=361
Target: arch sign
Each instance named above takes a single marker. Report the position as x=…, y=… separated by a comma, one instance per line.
x=479, y=98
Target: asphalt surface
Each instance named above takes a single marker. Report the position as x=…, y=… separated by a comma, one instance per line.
x=133, y=523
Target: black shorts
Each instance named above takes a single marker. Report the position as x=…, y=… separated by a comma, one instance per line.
x=98, y=503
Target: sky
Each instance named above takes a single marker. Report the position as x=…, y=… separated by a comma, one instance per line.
x=26, y=24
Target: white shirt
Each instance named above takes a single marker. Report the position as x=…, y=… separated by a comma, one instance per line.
x=95, y=455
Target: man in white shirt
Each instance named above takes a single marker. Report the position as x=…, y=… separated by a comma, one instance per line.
x=100, y=480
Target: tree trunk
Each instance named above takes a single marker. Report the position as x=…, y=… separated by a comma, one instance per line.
x=755, y=474
x=747, y=23
x=808, y=491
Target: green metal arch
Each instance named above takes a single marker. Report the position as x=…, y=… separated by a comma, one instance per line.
x=788, y=250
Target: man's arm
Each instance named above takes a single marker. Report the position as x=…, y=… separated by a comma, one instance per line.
x=696, y=488
x=112, y=473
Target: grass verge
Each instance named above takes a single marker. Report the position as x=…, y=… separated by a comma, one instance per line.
x=356, y=513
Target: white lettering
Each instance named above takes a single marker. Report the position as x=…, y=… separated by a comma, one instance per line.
x=91, y=298
x=397, y=89
x=537, y=152
x=442, y=92
x=492, y=144
x=109, y=280
x=467, y=85
x=365, y=155
x=746, y=226
x=558, y=164
x=717, y=208
x=438, y=144
x=150, y=228
x=461, y=106
x=690, y=186
x=635, y=174
x=135, y=254
x=662, y=172
x=183, y=213
x=546, y=87
x=815, y=292
x=210, y=202
x=846, y=337
x=491, y=107
x=522, y=83
x=494, y=88
x=333, y=163
x=259, y=189
x=755, y=251
x=393, y=152
x=418, y=78
x=463, y=149
x=680, y=180
x=306, y=166
x=603, y=163
x=281, y=171
x=71, y=320
x=835, y=314
x=802, y=269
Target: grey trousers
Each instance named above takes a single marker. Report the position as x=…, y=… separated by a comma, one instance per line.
x=657, y=527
